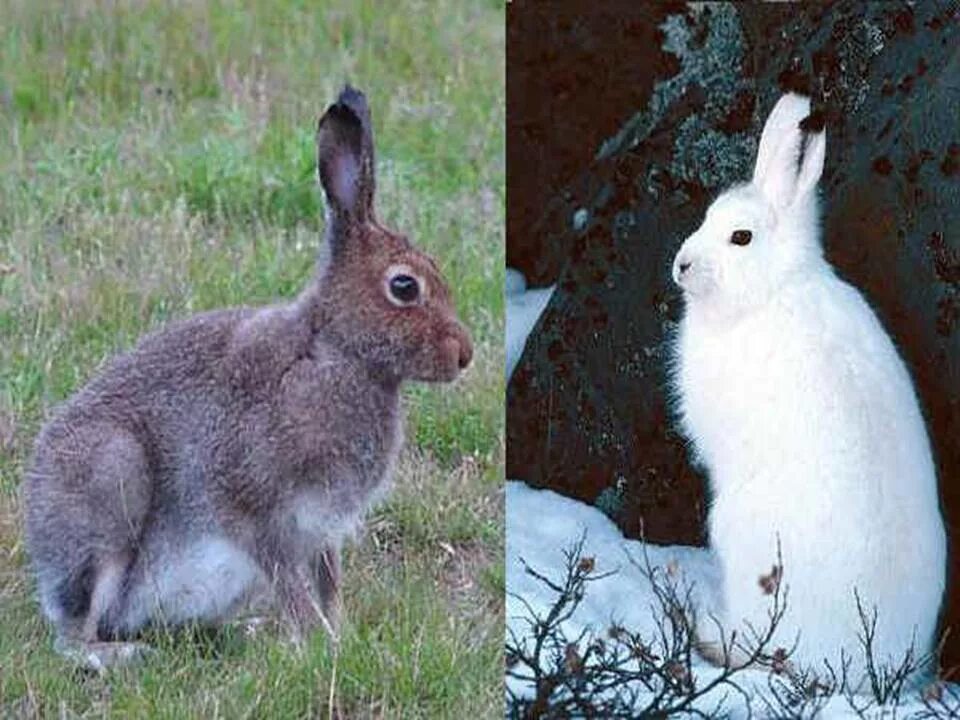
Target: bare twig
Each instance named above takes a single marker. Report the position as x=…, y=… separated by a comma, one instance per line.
x=885, y=683
x=940, y=700
x=622, y=673
x=797, y=694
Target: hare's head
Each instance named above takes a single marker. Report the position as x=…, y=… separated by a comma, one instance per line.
x=378, y=295
x=756, y=235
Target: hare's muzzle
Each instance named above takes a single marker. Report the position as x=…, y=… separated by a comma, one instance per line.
x=681, y=266
x=457, y=352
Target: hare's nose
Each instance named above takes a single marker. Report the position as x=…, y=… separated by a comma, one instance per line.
x=684, y=266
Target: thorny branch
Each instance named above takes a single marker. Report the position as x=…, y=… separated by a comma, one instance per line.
x=622, y=673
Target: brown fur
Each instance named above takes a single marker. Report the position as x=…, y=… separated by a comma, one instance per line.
x=238, y=447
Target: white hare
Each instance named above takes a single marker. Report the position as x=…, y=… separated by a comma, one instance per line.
x=802, y=412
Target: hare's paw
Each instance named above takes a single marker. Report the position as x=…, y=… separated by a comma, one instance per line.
x=305, y=611
x=299, y=635
x=99, y=657
x=712, y=652
x=253, y=626
x=709, y=641
x=716, y=644
x=301, y=626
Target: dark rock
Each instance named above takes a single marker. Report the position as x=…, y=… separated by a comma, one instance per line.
x=671, y=116
x=566, y=87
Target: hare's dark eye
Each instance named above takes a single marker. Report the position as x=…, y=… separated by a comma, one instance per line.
x=741, y=237
x=404, y=288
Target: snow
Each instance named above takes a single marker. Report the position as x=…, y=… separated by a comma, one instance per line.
x=541, y=524
x=524, y=307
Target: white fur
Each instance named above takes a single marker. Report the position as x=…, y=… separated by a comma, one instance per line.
x=209, y=577
x=806, y=420
x=325, y=519
x=49, y=602
x=202, y=582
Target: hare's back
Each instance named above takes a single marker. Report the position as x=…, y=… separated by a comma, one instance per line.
x=148, y=393
x=853, y=352
x=177, y=360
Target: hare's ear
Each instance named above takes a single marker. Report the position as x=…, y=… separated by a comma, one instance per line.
x=811, y=166
x=345, y=162
x=788, y=168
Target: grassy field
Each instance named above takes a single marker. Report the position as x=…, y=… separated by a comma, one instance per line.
x=157, y=160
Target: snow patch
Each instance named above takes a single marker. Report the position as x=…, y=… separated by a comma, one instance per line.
x=524, y=308
x=541, y=524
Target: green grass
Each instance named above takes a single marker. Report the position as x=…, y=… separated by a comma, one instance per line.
x=158, y=161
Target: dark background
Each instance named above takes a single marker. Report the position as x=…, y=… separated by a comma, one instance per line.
x=639, y=114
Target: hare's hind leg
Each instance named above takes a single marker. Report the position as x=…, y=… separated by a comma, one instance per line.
x=714, y=641
x=80, y=641
x=87, y=502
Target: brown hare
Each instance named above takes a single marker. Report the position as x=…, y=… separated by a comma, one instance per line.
x=234, y=451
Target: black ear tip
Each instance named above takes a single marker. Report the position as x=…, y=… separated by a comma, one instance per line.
x=815, y=122
x=353, y=99
x=349, y=92
x=350, y=107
